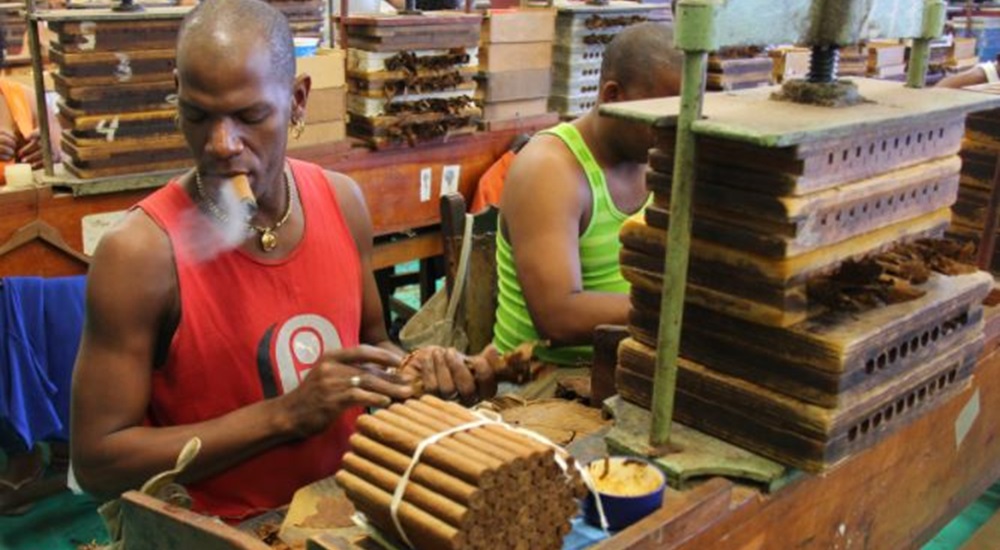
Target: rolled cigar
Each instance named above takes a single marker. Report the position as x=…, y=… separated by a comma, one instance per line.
x=477, y=441
x=438, y=480
x=447, y=442
x=423, y=529
x=476, y=473
x=241, y=186
x=511, y=445
x=459, y=414
x=437, y=505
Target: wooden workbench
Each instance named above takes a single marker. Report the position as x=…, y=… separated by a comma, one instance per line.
x=896, y=495
x=390, y=181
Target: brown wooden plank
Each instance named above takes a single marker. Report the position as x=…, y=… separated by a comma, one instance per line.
x=424, y=245
x=683, y=515
x=151, y=524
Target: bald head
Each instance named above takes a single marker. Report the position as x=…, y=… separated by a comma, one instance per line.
x=218, y=28
x=639, y=53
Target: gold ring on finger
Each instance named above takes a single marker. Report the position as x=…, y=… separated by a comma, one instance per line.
x=356, y=381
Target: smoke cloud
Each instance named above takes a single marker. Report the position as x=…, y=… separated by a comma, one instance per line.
x=206, y=235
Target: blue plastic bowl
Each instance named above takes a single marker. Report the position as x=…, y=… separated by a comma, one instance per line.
x=622, y=511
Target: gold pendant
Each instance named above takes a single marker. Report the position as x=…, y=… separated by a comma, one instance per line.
x=268, y=240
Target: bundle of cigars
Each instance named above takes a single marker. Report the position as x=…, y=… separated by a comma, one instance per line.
x=483, y=487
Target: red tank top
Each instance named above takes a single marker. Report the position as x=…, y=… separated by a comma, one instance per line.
x=249, y=330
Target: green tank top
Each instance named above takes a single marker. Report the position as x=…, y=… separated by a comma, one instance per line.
x=599, y=247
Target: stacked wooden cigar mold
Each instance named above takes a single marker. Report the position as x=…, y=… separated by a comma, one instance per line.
x=487, y=486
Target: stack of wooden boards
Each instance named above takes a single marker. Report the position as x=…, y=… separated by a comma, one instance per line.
x=980, y=151
x=326, y=110
x=582, y=33
x=765, y=366
x=304, y=16
x=515, y=60
x=115, y=81
x=852, y=60
x=738, y=68
x=484, y=487
x=887, y=61
x=410, y=78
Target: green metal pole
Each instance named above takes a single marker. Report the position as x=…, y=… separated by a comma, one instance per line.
x=933, y=24
x=694, y=36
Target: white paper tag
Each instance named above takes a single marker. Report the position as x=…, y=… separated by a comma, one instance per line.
x=449, y=179
x=425, y=184
x=966, y=419
x=94, y=226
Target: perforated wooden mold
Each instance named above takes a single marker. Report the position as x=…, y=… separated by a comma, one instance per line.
x=811, y=167
x=783, y=227
x=784, y=428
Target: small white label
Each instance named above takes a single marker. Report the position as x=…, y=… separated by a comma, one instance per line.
x=449, y=179
x=425, y=184
x=966, y=419
x=123, y=72
x=107, y=128
x=94, y=227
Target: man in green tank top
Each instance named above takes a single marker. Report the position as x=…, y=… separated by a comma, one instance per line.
x=564, y=201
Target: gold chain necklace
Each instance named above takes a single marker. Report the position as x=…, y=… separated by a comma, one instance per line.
x=268, y=238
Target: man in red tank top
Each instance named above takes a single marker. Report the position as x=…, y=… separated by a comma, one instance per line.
x=268, y=349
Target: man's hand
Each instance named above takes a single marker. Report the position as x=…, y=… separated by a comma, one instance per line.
x=452, y=375
x=31, y=152
x=346, y=378
x=8, y=146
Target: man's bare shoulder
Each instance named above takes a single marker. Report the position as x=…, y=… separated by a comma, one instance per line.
x=136, y=251
x=545, y=163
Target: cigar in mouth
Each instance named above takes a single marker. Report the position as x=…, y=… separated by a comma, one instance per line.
x=241, y=185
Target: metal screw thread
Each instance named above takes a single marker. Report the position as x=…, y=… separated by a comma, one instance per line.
x=823, y=64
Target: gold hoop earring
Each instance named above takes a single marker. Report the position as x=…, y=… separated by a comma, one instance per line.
x=298, y=127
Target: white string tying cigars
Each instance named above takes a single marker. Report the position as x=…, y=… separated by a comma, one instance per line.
x=484, y=420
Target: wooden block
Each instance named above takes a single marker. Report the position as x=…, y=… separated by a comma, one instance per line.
x=519, y=25
x=86, y=173
x=496, y=58
x=515, y=85
x=87, y=36
x=151, y=523
x=326, y=105
x=515, y=109
x=320, y=133
x=790, y=63
x=881, y=54
x=326, y=68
